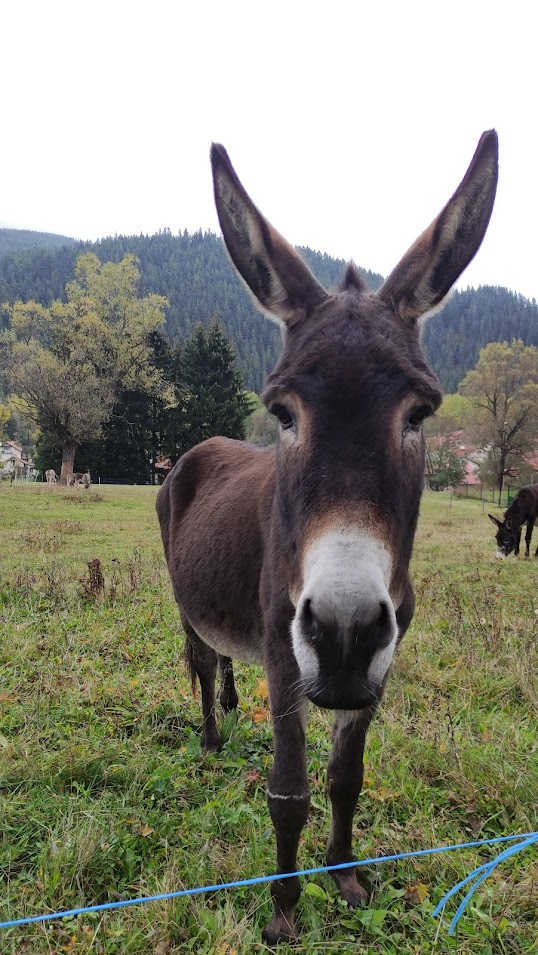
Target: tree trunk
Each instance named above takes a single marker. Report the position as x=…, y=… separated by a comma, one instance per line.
x=500, y=475
x=153, y=441
x=68, y=458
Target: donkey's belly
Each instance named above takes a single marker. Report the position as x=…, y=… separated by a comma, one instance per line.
x=216, y=586
x=221, y=604
x=248, y=650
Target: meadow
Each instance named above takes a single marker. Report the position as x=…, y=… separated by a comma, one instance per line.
x=105, y=794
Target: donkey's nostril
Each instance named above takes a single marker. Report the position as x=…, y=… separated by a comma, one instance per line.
x=384, y=614
x=384, y=625
x=311, y=626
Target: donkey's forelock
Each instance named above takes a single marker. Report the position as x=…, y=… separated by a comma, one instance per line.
x=352, y=345
x=352, y=279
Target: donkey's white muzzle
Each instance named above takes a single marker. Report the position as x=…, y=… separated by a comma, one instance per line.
x=344, y=631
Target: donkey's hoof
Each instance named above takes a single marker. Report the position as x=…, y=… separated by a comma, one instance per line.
x=211, y=744
x=229, y=702
x=350, y=889
x=279, y=929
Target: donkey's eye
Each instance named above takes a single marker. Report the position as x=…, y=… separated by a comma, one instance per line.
x=283, y=416
x=415, y=420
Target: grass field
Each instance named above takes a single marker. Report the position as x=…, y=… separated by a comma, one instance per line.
x=104, y=793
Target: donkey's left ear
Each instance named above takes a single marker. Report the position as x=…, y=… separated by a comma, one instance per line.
x=438, y=257
x=280, y=281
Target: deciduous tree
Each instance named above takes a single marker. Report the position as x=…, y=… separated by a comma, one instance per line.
x=5, y=415
x=67, y=363
x=453, y=415
x=503, y=391
x=443, y=467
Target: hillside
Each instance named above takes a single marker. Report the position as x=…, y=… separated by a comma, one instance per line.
x=469, y=321
x=194, y=273
x=13, y=240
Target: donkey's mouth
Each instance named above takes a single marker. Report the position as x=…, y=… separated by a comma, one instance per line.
x=343, y=692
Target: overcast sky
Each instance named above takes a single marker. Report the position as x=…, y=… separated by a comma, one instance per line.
x=350, y=124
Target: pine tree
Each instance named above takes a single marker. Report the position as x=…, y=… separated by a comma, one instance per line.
x=212, y=398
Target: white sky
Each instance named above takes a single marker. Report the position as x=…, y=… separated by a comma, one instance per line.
x=350, y=124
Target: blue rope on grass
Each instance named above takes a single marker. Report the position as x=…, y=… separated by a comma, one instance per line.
x=529, y=838
x=479, y=874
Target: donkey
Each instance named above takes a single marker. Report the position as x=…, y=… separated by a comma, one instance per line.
x=297, y=557
x=522, y=510
x=51, y=476
x=78, y=477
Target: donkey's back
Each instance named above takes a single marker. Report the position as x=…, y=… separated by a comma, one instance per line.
x=524, y=507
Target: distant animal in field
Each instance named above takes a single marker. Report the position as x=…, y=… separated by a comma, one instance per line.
x=297, y=557
x=79, y=477
x=522, y=510
x=51, y=476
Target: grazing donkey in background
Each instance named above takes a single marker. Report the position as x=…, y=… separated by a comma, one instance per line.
x=51, y=476
x=78, y=477
x=297, y=558
x=522, y=510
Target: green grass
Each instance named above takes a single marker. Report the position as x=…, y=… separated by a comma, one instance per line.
x=104, y=793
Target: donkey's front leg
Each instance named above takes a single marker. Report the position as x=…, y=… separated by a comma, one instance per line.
x=518, y=542
x=288, y=797
x=528, y=536
x=344, y=775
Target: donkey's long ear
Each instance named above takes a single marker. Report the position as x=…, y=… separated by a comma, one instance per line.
x=438, y=257
x=495, y=520
x=276, y=275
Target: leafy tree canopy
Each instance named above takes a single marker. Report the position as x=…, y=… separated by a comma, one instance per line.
x=443, y=466
x=66, y=363
x=503, y=392
x=143, y=432
x=453, y=415
x=5, y=415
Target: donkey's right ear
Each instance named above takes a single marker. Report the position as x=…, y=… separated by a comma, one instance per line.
x=495, y=520
x=280, y=281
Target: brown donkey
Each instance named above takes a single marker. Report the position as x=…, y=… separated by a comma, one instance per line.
x=297, y=558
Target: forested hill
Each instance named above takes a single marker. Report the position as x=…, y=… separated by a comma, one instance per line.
x=469, y=321
x=13, y=240
x=194, y=273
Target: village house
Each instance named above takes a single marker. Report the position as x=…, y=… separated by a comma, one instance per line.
x=14, y=464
